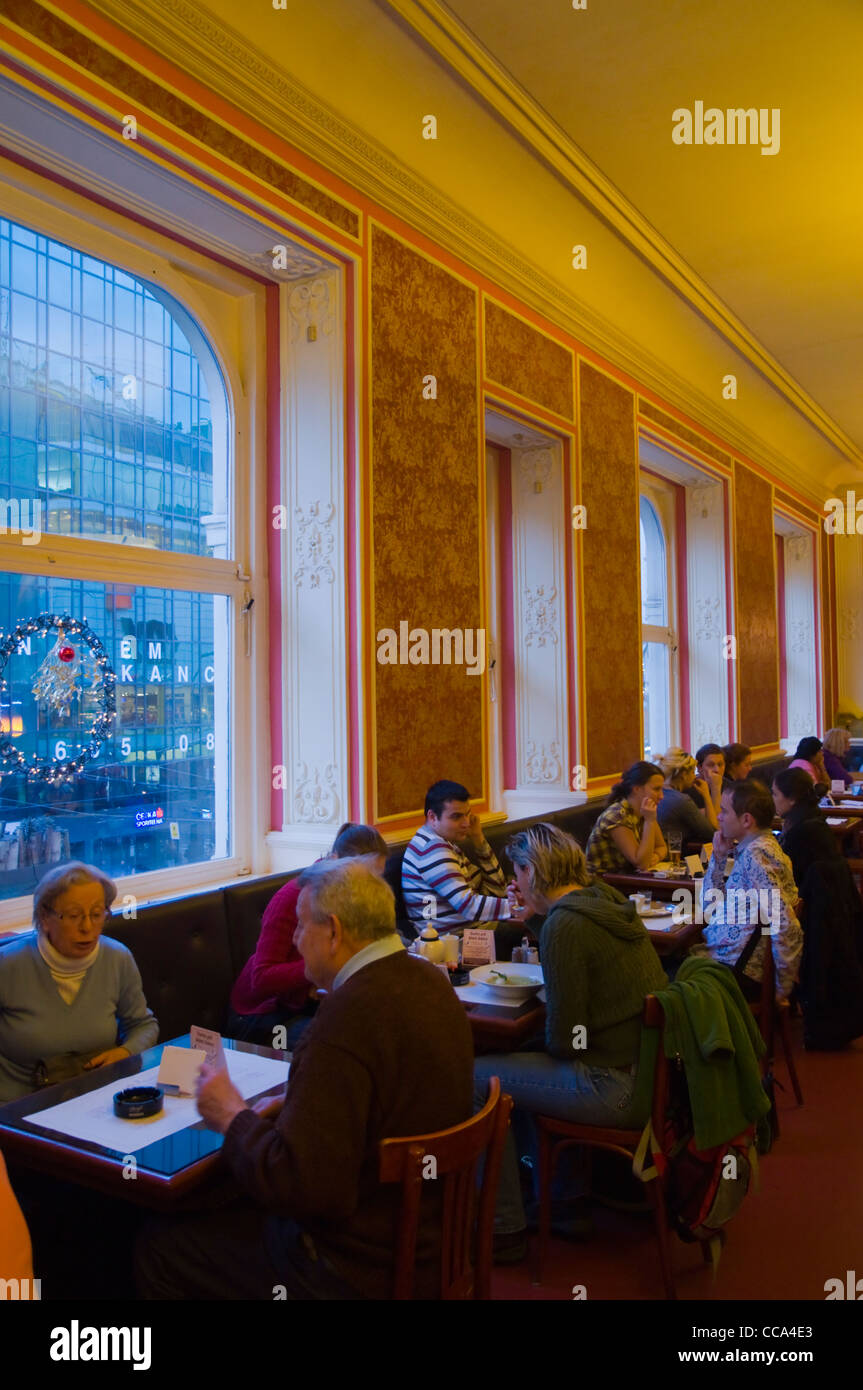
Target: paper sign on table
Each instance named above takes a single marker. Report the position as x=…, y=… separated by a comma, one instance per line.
x=208, y=1042
x=693, y=864
x=477, y=947
x=179, y=1067
x=837, y=785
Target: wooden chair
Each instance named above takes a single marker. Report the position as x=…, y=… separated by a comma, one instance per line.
x=771, y=1013
x=557, y=1135
x=467, y=1223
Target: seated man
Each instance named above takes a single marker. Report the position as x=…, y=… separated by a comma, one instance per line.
x=441, y=885
x=389, y=1053
x=706, y=790
x=760, y=888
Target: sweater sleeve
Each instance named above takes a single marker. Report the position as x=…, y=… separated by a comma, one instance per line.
x=493, y=878
x=137, y=1028
x=306, y=1163
x=565, y=988
x=447, y=878
x=278, y=969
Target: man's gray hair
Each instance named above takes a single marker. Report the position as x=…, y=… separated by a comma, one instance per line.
x=347, y=889
x=58, y=881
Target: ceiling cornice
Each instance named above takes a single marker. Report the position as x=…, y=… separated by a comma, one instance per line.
x=222, y=61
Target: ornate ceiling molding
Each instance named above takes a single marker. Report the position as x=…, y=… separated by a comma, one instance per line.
x=220, y=59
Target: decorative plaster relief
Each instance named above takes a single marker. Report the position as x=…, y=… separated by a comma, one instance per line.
x=542, y=764
x=314, y=543
x=315, y=797
x=540, y=616
x=310, y=307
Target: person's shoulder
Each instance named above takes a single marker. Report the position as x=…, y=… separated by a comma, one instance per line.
x=287, y=895
x=21, y=946
x=112, y=949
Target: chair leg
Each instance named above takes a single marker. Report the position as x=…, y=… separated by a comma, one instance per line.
x=544, y=1173
x=660, y=1217
x=785, y=1036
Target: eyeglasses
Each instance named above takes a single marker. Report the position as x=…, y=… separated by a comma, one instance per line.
x=98, y=917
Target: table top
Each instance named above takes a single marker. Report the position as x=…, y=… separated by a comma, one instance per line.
x=163, y=1171
x=634, y=882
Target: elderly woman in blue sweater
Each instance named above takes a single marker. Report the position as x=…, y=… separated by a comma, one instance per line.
x=68, y=996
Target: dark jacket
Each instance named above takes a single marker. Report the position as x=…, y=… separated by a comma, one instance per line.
x=807, y=838
x=831, y=972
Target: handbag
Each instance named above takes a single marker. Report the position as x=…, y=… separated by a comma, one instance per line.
x=49, y=1071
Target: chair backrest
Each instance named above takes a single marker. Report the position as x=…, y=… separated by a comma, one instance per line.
x=466, y=1226
x=654, y=1017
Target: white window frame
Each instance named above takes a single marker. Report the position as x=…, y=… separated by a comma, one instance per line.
x=220, y=302
x=662, y=499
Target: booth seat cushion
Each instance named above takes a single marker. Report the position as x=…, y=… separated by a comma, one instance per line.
x=767, y=770
x=182, y=951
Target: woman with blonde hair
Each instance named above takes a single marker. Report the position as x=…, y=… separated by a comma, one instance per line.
x=835, y=750
x=598, y=963
x=70, y=999
x=677, y=811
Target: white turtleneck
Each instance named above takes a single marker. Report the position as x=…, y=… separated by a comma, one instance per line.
x=67, y=974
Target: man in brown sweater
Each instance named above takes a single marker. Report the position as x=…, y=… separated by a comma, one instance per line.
x=389, y=1053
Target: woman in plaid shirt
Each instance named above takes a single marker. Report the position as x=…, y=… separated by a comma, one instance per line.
x=627, y=834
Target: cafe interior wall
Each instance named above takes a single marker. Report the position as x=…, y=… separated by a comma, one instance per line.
x=492, y=303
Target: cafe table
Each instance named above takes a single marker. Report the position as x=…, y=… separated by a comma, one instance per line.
x=58, y=1132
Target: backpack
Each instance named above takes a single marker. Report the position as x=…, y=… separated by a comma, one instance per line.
x=704, y=1188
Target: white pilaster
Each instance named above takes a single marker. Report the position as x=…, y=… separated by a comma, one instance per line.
x=539, y=538
x=801, y=644
x=314, y=690
x=707, y=615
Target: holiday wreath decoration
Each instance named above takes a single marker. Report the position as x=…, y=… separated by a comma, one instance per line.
x=77, y=661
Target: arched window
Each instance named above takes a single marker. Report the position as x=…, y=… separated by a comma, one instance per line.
x=658, y=639
x=115, y=464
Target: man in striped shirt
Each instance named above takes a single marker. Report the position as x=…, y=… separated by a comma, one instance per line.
x=442, y=887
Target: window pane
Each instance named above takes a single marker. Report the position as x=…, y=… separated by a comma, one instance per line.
x=156, y=794
x=655, y=659
x=95, y=355
x=654, y=568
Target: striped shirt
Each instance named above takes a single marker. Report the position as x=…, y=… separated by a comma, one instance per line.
x=453, y=890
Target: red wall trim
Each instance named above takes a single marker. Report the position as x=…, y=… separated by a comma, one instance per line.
x=274, y=547
x=780, y=614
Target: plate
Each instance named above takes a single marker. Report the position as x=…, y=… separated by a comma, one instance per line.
x=521, y=981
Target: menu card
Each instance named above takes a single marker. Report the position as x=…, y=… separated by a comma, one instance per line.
x=477, y=947
x=179, y=1067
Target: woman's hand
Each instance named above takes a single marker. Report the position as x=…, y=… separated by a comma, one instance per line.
x=648, y=808
x=702, y=788
x=102, y=1059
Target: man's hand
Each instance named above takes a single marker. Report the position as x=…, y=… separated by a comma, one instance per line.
x=102, y=1059
x=721, y=846
x=218, y=1098
x=474, y=830
x=267, y=1106
x=714, y=778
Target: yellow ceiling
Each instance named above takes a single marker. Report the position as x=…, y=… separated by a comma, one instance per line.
x=775, y=239
x=778, y=238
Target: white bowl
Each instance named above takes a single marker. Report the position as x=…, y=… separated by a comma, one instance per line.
x=519, y=982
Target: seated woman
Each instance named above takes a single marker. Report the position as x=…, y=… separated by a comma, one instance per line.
x=676, y=812
x=70, y=999
x=709, y=773
x=598, y=964
x=835, y=750
x=272, y=990
x=627, y=837
x=809, y=759
x=738, y=763
x=806, y=836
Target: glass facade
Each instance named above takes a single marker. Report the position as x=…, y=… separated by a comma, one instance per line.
x=105, y=416
x=108, y=398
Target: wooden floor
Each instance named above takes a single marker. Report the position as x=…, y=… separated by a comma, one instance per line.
x=802, y=1227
